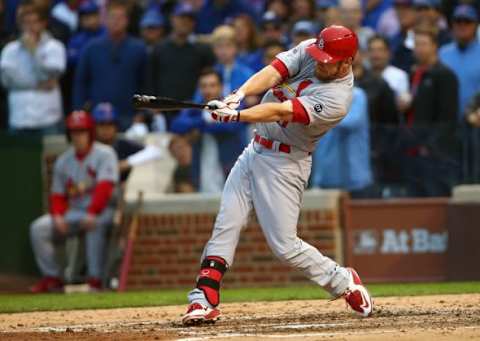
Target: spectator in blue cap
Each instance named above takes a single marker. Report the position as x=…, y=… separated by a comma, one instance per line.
x=430, y=12
x=106, y=130
x=272, y=28
x=327, y=12
x=303, y=30
x=152, y=28
x=463, y=55
x=90, y=27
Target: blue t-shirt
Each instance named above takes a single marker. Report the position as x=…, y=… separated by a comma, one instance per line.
x=342, y=157
x=466, y=66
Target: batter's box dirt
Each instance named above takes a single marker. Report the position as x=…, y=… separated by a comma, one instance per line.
x=435, y=318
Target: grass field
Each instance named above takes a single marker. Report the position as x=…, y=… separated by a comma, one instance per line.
x=24, y=303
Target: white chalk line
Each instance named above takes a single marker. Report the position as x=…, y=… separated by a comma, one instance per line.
x=186, y=330
x=296, y=335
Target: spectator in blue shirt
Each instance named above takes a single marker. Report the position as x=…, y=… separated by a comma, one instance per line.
x=342, y=157
x=215, y=151
x=90, y=27
x=111, y=68
x=233, y=72
x=303, y=30
x=373, y=10
x=249, y=52
x=463, y=55
x=152, y=28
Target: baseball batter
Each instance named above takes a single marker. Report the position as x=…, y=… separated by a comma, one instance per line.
x=309, y=92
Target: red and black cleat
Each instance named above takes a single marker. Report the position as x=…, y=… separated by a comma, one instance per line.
x=94, y=284
x=48, y=284
x=199, y=314
x=357, y=295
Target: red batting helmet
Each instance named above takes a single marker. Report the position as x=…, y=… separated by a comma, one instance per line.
x=80, y=120
x=334, y=43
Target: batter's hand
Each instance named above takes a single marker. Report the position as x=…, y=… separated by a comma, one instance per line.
x=60, y=224
x=89, y=221
x=222, y=113
x=234, y=99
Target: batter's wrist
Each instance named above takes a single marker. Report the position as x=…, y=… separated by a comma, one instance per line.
x=239, y=93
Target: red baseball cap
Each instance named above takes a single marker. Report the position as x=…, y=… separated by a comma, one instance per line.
x=333, y=44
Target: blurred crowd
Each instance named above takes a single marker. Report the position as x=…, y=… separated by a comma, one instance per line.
x=412, y=129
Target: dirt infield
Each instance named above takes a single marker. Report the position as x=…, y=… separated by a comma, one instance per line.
x=438, y=318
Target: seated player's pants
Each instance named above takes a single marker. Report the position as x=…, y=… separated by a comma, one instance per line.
x=44, y=238
x=273, y=183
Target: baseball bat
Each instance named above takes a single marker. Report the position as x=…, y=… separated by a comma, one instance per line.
x=128, y=252
x=165, y=103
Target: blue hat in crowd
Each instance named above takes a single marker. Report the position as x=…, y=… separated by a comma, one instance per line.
x=88, y=7
x=184, y=9
x=104, y=113
x=152, y=18
x=427, y=3
x=304, y=26
x=324, y=4
x=465, y=12
x=271, y=18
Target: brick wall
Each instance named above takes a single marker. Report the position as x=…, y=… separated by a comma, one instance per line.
x=168, y=246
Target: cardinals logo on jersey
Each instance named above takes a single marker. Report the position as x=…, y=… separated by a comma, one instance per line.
x=285, y=91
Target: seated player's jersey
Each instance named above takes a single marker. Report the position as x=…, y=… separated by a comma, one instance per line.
x=325, y=103
x=76, y=178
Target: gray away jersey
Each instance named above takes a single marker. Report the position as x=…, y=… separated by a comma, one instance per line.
x=77, y=179
x=326, y=103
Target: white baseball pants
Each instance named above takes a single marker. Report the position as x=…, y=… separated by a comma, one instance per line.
x=273, y=183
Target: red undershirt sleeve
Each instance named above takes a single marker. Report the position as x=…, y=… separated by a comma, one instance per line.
x=58, y=204
x=300, y=115
x=100, y=197
x=281, y=68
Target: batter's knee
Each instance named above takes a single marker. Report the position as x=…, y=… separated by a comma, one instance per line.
x=41, y=227
x=286, y=253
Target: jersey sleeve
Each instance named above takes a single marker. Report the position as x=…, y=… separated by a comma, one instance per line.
x=325, y=106
x=289, y=63
x=108, y=167
x=59, y=180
